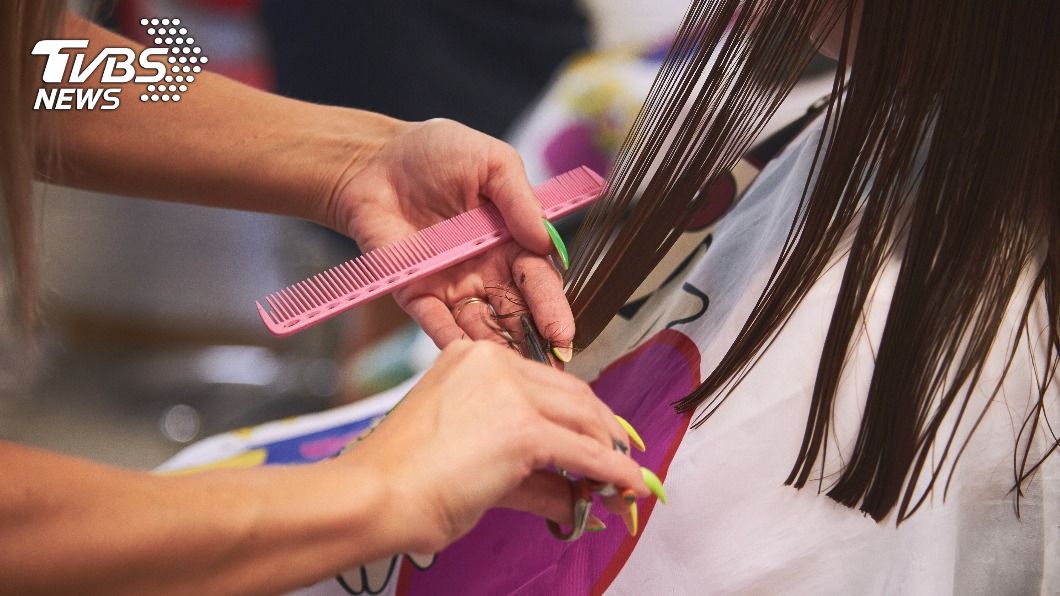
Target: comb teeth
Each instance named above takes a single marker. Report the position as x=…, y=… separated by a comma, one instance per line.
x=568, y=187
x=432, y=249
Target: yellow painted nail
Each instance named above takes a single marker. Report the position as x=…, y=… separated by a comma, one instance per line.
x=595, y=524
x=564, y=354
x=631, y=519
x=632, y=432
x=654, y=484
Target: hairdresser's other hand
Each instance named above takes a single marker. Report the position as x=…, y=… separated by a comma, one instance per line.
x=485, y=428
x=422, y=173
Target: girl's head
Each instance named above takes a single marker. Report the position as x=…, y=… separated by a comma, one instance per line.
x=940, y=145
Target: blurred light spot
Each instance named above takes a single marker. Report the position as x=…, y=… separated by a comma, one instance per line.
x=237, y=365
x=181, y=423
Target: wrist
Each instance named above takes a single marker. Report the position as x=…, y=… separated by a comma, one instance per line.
x=340, y=144
x=378, y=514
x=397, y=511
x=300, y=154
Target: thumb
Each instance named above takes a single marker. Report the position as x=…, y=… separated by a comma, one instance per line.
x=507, y=187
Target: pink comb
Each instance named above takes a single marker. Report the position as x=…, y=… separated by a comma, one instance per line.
x=432, y=249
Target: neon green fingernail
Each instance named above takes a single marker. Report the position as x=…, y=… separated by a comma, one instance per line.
x=654, y=484
x=632, y=432
x=561, y=248
x=564, y=354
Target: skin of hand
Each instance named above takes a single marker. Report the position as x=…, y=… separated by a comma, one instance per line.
x=371, y=177
x=485, y=427
x=430, y=171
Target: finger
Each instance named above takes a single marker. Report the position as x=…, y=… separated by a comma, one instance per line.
x=575, y=412
x=545, y=494
x=542, y=289
x=507, y=187
x=552, y=383
x=618, y=502
x=508, y=304
x=477, y=320
x=434, y=316
x=560, y=447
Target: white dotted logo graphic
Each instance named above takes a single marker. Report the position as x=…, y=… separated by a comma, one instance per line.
x=185, y=59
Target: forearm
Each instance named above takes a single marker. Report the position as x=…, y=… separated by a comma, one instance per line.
x=224, y=144
x=75, y=527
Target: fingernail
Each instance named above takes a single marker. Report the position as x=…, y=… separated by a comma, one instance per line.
x=631, y=519
x=632, y=432
x=628, y=496
x=595, y=524
x=654, y=484
x=557, y=240
x=564, y=354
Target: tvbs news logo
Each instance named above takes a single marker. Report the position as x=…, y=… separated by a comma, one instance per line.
x=165, y=70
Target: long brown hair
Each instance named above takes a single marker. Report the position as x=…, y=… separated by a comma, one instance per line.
x=22, y=134
x=940, y=147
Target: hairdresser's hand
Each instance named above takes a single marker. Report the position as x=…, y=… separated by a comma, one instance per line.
x=428, y=171
x=372, y=177
x=485, y=428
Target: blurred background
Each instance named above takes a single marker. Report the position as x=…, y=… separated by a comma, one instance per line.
x=151, y=339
